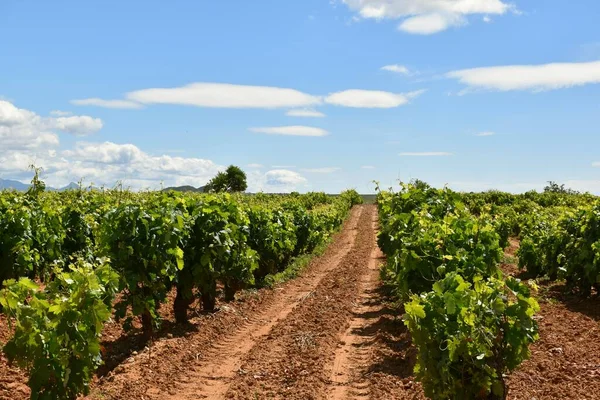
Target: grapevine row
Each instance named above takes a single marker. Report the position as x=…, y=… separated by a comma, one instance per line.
x=469, y=324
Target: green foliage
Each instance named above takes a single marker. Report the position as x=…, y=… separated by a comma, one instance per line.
x=217, y=250
x=428, y=233
x=144, y=242
x=469, y=334
x=273, y=236
x=351, y=197
x=57, y=330
x=31, y=236
x=468, y=324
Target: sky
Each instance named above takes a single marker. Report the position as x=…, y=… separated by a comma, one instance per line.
x=311, y=95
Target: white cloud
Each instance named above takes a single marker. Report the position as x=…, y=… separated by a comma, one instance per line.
x=283, y=177
x=255, y=166
x=596, y=164
x=529, y=77
x=277, y=180
x=27, y=138
x=105, y=153
x=486, y=133
x=295, y=130
x=427, y=16
x=78, y=125
x=399, y=69
x=123, y=104
x=13, y=116
x=368, y=167
x=283, y=166
x=370, y=98
x=305, y=113
x=106, y=163
x=58, y=113
x=487, y=19
x=426, y=154
x=430, y=23
x=223, y=95
x=24, y=130
x=325, y=170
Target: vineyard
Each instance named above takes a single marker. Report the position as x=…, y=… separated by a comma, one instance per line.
x=429, y=293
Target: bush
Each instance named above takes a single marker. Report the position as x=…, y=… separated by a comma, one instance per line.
x=468, y=335
x=144, y=243
x=217, y=250
x=57, y=329
x=426, y=249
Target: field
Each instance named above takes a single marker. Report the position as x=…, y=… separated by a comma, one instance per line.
x=121, y=295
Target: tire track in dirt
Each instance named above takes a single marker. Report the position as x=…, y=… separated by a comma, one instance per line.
x=209, y=378
x=353, y=355
x=291, y=361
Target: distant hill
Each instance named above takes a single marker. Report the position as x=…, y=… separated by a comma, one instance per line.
x=185, y=188
x=8, y=184
x=70, y=186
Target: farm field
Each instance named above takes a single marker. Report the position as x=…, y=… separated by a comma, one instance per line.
x=299, y=200
x=348, y=325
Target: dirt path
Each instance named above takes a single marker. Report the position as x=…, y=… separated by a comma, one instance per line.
x=565, y=362
x=219, y=365
x=354, y=352
x=293, y=361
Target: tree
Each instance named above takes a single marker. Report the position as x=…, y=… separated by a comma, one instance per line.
x=554, y=187
x=232, y=180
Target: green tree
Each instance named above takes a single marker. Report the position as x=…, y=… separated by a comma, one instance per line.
x=232, y=180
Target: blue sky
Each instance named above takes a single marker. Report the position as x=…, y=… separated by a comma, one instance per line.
x=476, y=94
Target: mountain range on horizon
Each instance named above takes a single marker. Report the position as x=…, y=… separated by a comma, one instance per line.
x=7, y=184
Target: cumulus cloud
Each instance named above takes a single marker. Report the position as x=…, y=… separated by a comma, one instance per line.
x=486, y=133
x=78, y=125
x=283, y=177
x=277, y=180
x=427, y=16
x=529, y=77
x=325, y=170
x=122, y=104
x=224, y=95
x=370, y=98
x=295, y=130
x=106, y=163
x=22, y=129
x=399, y=69
x=256, y=166
x=426, y=154
x=305, y=113
x=27, y=138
